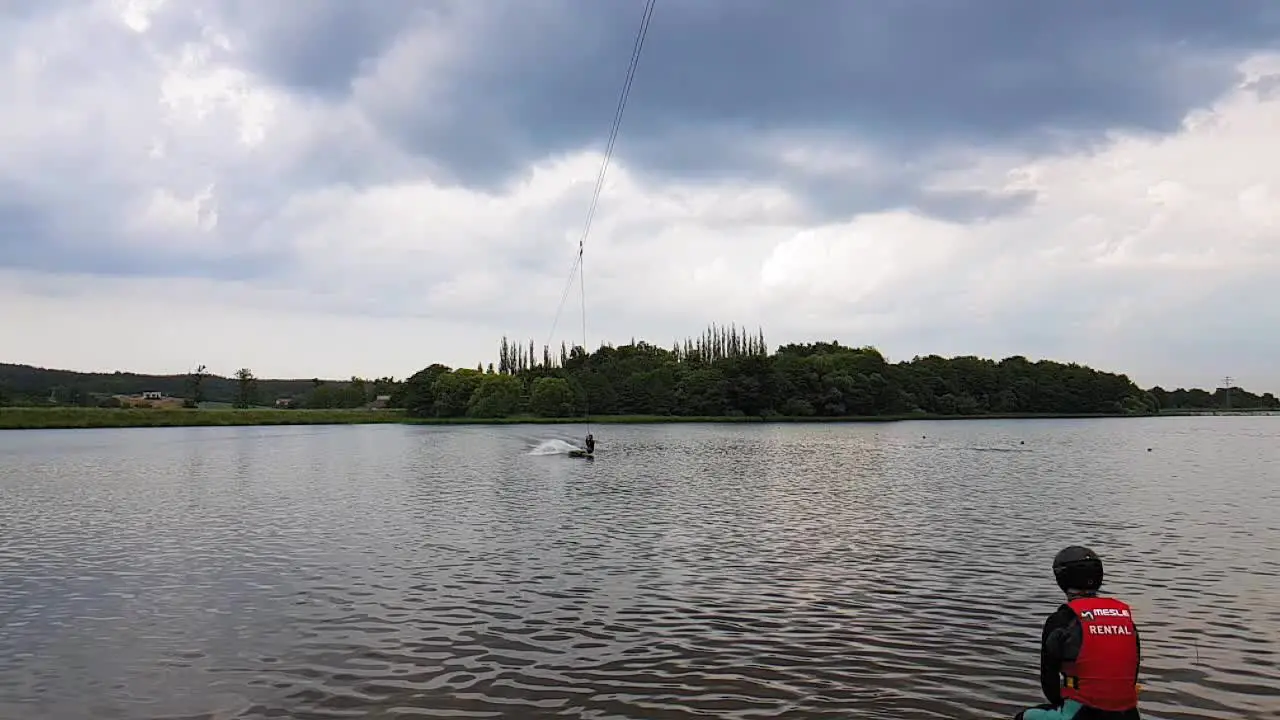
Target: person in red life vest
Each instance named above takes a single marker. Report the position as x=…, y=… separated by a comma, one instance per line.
x=1090, y=654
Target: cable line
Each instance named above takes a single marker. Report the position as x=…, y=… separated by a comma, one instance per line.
x=578, y=265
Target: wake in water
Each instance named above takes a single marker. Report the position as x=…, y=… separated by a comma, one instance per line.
x=553, y=447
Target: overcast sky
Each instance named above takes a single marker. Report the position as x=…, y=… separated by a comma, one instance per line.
x=329, y=187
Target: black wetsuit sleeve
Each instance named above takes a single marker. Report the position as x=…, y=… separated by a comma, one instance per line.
x=1060, y=640
x=1048, y=664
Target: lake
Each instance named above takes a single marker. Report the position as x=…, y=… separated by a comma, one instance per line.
x=895, y=570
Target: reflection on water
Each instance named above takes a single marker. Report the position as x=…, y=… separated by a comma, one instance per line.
x=870, y=571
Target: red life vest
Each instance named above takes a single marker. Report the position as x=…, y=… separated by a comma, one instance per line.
x=1105, y=674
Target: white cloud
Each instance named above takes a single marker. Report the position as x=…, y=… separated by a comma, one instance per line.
x=1147, y=255
x=166, y=325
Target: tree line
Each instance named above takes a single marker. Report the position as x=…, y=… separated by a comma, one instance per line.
x=729, y=372
x=726, y=371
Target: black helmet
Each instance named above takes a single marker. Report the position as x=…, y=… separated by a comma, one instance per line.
x=1077, y=568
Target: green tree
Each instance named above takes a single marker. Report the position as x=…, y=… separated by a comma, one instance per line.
x=495, y=396
x=724, y=371
x=324, y=396
x=196, y=387
x=552, y=397
x=728, y=371
x=358, y=392
x=419, y=394
x=453, y=391
x=246, y=388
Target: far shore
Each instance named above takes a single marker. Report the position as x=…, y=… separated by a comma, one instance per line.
x=49, y=418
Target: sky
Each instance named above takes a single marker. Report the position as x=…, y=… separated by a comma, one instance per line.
x=331, y=188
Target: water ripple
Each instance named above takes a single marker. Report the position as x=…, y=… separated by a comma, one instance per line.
x=870, y=571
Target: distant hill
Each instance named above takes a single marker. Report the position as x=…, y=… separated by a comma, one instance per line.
x=29, y=382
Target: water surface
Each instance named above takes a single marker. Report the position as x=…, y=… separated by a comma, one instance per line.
x=797, y=571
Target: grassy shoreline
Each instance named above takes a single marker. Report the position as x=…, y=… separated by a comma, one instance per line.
x=50, y=418
x=66, y=418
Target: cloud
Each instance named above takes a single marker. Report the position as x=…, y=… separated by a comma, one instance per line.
x=326, y=189
x=912, y=78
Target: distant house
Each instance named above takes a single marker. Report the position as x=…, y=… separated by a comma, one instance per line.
x=380, y=401
x=284, y=402
x=150, y=398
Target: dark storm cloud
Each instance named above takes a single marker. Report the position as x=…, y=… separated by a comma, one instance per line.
x=826, y=193
x=319, y=46
x=721, y=81
x=835, y=196
x=905, y=76
x=58, y=252
x=38, y=234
